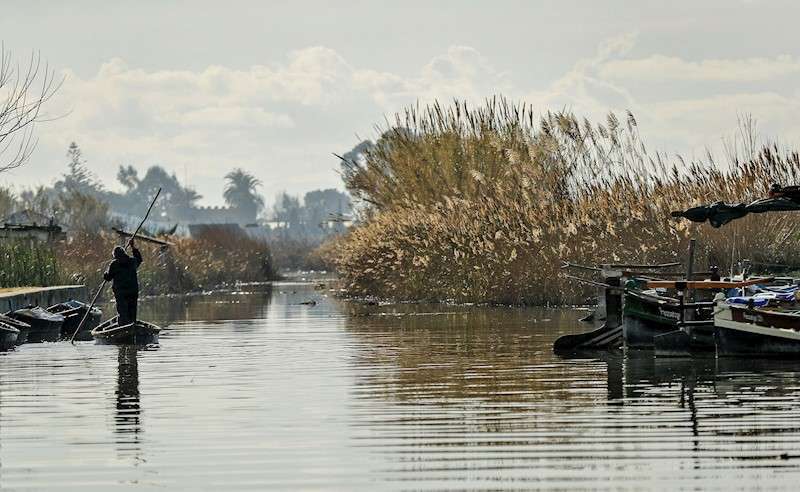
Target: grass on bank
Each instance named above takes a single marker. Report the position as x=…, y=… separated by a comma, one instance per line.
x=483, y=204
x=206, y=261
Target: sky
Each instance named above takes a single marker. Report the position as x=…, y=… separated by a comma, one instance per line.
x=276, y=87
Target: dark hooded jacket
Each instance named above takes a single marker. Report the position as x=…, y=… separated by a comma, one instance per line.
x=122, y=272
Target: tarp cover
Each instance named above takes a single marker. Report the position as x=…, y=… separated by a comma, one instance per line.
x=720, y=213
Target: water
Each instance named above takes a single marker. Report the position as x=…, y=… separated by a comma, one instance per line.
x=256, y=391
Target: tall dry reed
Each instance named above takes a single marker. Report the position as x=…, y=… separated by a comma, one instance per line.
x=483, y=204
x=207, y=261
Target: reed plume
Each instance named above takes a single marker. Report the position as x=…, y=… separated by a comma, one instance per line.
x=483, y=204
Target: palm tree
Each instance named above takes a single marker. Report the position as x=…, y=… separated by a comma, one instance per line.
x=240, y=194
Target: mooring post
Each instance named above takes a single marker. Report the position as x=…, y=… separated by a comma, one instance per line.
x=688, y=294
x=613, y=297
x=690, y=266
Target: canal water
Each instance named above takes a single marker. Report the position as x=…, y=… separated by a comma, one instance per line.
x=255, y=390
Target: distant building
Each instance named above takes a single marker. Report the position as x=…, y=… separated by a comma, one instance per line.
x=30, y=225
x=213, y=215
x=183, y=224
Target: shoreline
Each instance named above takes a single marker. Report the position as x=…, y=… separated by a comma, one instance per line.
x=13, y=298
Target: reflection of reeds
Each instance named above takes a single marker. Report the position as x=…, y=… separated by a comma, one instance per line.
x=481, y=205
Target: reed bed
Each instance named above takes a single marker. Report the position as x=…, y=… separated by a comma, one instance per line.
x=28, y=263
x=483, y=204
x=205, y=262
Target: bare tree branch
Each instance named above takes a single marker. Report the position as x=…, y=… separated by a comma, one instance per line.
x=23, y=92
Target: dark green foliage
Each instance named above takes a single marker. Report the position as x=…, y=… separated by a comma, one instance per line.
x=26, y=263
x=241, y=193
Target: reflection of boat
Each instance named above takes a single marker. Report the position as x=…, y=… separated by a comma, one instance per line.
x=747, y=330
x=138, y=333
x=73, y=312
x=8, y=336
x=127, y=419
x=44, y=326
x=128, y=409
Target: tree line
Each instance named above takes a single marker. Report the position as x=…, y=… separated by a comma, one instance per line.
x=82, y=202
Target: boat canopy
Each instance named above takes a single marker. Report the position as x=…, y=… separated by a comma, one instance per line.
x=761, y=295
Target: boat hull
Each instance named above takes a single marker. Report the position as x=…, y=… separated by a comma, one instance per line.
x=23, y=328
x=42, y=329
x=646, y=318
x=695, y=340
x=605, y=337
x=8, y=337
x=138, y=333
x=72, y=318
x=755, y=333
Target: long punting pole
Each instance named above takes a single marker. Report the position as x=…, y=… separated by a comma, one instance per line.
x=99, y=290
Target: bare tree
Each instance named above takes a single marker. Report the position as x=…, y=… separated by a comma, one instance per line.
x=23, y=92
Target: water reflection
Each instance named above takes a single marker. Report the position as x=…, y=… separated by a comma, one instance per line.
x=247, y=302
x=127, y=423
x=333, y=395
x=491, y=401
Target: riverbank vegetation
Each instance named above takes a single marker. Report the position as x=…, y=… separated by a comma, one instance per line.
x=483, y=204
x=207, y=261
x=210, y=246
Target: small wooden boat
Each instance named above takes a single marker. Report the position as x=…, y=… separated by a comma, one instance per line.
x=21, y=326
x=44, y=326
x=138, y=333
x=73, y=312
x=8, y=336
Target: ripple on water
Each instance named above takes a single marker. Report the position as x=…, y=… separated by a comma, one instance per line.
x=254, y=390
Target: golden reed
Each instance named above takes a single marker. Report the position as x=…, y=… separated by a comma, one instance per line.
x=483, y=204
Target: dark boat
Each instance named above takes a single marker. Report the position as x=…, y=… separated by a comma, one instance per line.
x=647, y=315
x=8, y=336
x=750, y=331
x=73, y=312
x=24, y=328
x=138, y=333
x=44, y=326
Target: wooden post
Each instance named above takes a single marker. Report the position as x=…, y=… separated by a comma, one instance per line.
x=688, y=294
x=613, y=296
x=690, y=266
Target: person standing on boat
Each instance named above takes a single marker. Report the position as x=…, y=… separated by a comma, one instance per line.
x=125, y=282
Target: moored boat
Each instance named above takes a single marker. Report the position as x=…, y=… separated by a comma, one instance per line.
x=73, y=312
x=44, y=326
x=21, y=326
x=138, y=333
x=757, y=331
x=648, y=315
x=8, y=336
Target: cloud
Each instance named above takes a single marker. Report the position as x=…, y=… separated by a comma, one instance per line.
x=282, y=120
x=583, y=89
x=663, y=68
x=682, y=106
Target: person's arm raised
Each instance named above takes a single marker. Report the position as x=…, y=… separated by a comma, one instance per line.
x=137, y=256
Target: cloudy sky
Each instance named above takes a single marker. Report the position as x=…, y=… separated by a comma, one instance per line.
x=275, y=87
